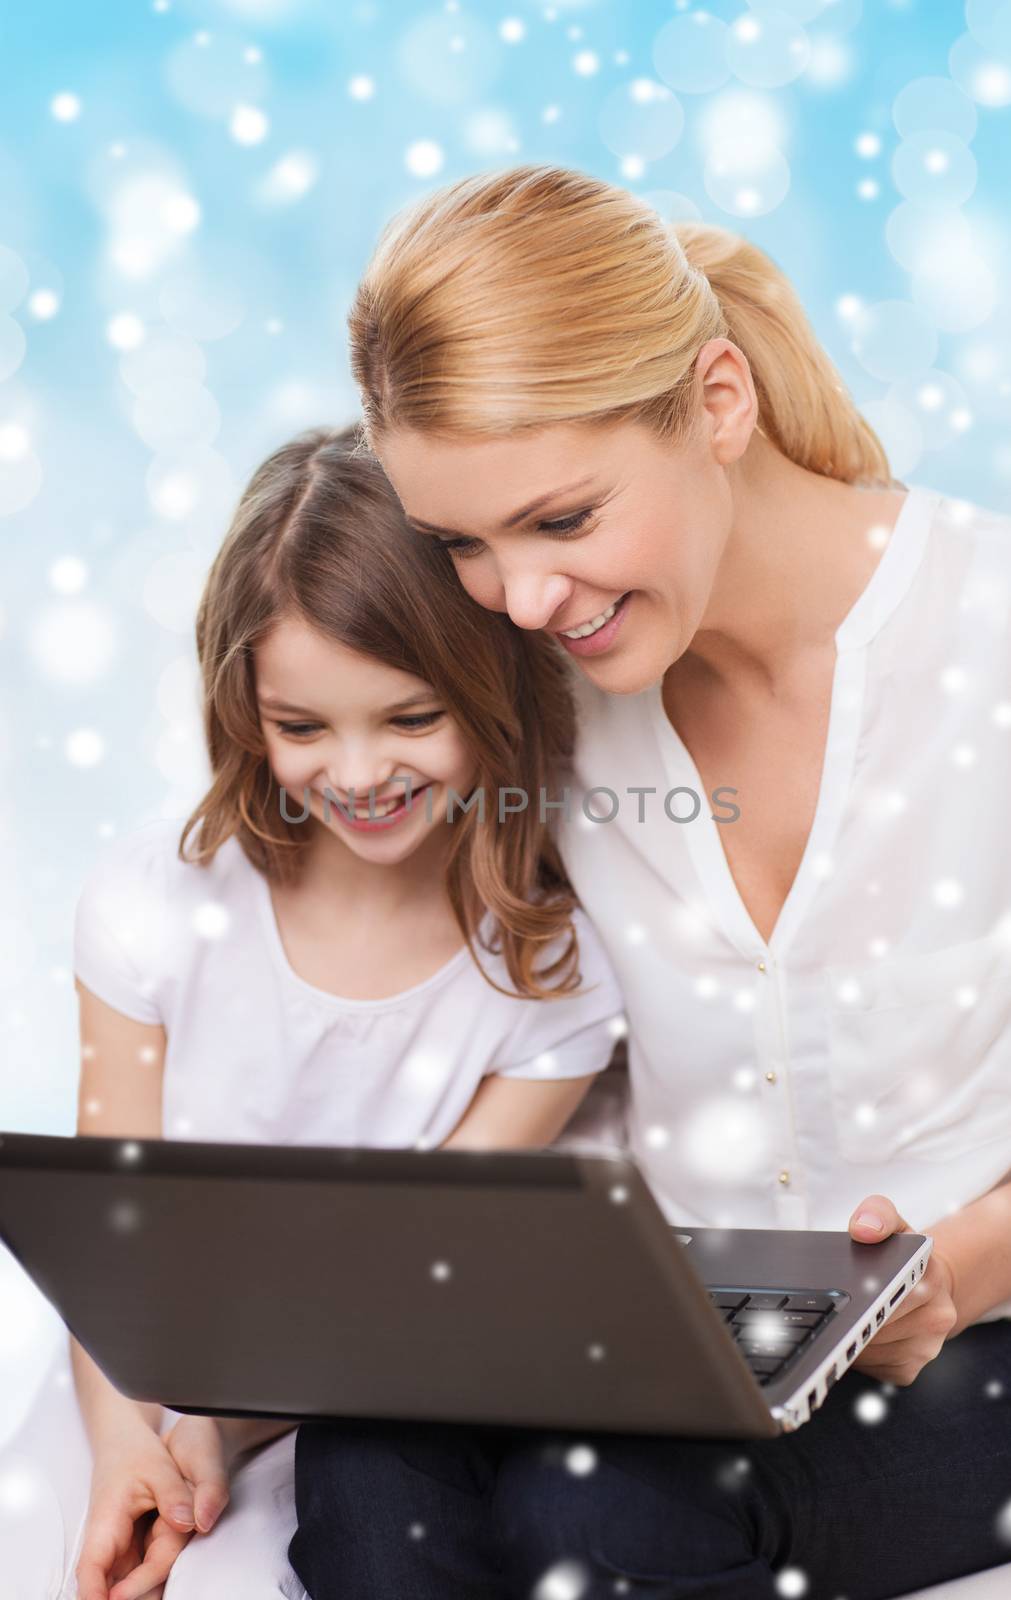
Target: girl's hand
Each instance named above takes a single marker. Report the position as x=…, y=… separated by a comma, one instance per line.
x=914, y=1334
x=133, y=1475
x=195, y=1451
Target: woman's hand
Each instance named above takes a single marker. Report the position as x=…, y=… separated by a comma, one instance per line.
x=915, y=1332
x=126, y=1554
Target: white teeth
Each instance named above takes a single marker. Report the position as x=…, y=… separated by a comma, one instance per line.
x=586, y=628
x=378, y=811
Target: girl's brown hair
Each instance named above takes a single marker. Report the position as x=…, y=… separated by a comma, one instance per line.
x=319, y=535
x=538, y=294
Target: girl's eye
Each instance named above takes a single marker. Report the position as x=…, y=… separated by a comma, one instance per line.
x=459, y=547
x=298, y=730
x=422, y=719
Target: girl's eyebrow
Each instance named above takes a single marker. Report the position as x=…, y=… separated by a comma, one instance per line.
x=509, y=522
x=420, y=698
x=270, y=704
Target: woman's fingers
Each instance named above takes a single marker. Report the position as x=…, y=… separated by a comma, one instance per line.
x=876, y=1218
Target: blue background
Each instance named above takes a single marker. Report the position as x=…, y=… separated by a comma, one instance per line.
x=188, y=193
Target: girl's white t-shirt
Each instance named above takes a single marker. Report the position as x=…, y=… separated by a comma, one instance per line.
x=866, y=1047
x=256, y=1053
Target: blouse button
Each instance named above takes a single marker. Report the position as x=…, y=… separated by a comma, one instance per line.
x=770, y=1077
x=761, y=966
x=784, y=1176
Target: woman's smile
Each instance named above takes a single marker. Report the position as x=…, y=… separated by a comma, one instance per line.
x=603, y=630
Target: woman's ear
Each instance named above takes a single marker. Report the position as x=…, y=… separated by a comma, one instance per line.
x=727, y=398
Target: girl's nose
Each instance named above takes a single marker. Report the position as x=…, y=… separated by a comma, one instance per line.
x=360, y=775
x=533, y=599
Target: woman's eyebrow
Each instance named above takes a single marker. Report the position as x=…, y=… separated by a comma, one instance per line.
x=509, y=522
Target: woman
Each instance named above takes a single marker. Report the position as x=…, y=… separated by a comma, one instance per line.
x=626, y=435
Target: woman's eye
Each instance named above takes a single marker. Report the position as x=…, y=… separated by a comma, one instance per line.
x=298, y=730
x=567, y=524
x=422, y=719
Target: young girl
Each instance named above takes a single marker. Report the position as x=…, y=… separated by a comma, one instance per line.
x=334, y=951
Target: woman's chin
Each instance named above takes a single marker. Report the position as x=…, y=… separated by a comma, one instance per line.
x=624, y=672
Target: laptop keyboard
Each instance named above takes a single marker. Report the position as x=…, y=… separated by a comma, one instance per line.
x=772, y=1327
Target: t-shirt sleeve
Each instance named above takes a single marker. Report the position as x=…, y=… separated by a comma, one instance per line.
x=575, y=1034
x=113, y=922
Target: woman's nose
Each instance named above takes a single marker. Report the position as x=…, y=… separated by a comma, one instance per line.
x=532, y=599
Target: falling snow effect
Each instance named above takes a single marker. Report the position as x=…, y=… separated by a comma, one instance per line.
x=201, y=277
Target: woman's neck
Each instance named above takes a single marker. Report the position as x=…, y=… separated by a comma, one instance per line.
x=798, y=555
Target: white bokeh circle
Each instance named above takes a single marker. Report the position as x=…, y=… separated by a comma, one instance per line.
x=746, y=181
x=73, y=642
x=939, y=404
x=166, y=356
x=956, y=290
x=448, y=58
x=915, y=233
x=767, y=48
x=690, y=53
x=899, y=432
x=176, y=413
x=934, y=168
x=208, y=74
x=20, y=482
x=14, y=279
x=928, y=104
x=642, y=118
x=13, y=345
x=172, y=590
x=893, y=339
x=985, y=77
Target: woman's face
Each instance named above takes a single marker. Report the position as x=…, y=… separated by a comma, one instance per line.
x=334, y=719
x=622, y=520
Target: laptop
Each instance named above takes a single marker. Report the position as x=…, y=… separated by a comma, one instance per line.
x=527, y=1288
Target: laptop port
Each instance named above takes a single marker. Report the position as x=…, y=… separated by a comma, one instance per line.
x=830, y=1377
x=898, y=1294
x=851, y=1352
x=812, y=1399
x=865, y=1333
x=880, y=1316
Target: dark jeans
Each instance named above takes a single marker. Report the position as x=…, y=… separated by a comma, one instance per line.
x=863, y=1505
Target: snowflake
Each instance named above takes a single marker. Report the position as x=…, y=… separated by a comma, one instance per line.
x=566, y=1580
x=581, y=1460
x=791, y=1581
x=870, y=1408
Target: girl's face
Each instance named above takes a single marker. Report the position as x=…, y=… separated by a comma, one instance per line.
x=334, y=719
x=567, y=524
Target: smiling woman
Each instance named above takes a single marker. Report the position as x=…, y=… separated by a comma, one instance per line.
x=631, y=440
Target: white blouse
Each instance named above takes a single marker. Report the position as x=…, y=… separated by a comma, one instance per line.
x=257, y=1053
x=866, y=1048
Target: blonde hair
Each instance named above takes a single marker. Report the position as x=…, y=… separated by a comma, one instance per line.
x=516, y=299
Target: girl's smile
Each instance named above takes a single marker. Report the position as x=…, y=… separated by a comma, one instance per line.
x=378, y=813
